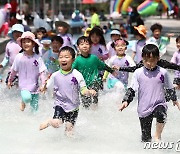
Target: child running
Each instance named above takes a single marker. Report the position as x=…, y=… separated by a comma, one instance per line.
x=50, y=57
x=67, y=83
x=98, y=46
x=150, y=81
x=29, y=66
x=158, y=39
x=120, y=59
x=89, y=65
x=12, y=48
x=176, y=60
x=115, y=35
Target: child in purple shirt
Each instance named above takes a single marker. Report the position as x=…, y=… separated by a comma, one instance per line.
x=151, y=82
x=67, y=84
x=12, y=48
x=176, y=60
x=29, y=66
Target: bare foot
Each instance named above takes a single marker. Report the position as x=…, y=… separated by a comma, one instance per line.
x=44, y=125
x=22, y=106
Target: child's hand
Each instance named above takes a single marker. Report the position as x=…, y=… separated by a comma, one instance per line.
x=115, y=67
x=42, y=89
x=123, y=106
x=170, y=34
x=52, y=59
x=176, y=86
x=92, y=92
x=104, y=79
x=115, y=73
x=9, y=84
x=177, y=104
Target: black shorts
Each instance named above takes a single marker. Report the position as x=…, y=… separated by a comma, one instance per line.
x=160, y=114
x=71, y=117
x=176, y=81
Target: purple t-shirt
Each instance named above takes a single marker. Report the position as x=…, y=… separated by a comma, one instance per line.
x=150, y=86
x=67, y=88
x=125, y=61
x=98, y=50
x=110, y=49
x=67, y=38
x=12, y=49
x=176, y=59
x=138, y=49
x=28, y=69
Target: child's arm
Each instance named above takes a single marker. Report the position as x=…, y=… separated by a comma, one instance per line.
x=88, y=92
x=130, y=93
x=170, y=65
x=11, y=77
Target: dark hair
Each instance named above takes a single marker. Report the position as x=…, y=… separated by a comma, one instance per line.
x=83, y=39
x=150, y=49
x=156, y=26
x=99, y=32
x=41, y=29
x=178, y=38
x=57, y=38
x=67, y=48
x=36, y=48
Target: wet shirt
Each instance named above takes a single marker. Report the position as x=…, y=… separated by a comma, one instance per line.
x=89, y=67
x=162, y=42
x=150, y=86
x=50, y=59
x=176, y=60
x=125, y=61
x=67, y=87
x=98, y=50
x=137, y=48
x=28, y=69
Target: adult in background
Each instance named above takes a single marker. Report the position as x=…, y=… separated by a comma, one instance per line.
x=94, y=17
x=5, y=17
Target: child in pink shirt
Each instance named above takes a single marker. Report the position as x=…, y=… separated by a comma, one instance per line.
x=29, y=66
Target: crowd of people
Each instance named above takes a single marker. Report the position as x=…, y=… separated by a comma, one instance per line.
x=76, y=72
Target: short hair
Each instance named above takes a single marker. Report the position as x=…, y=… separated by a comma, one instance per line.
x=58, y=39
x=83, y=39
x=69, y=49
x=41, y=29
x=178, y=38
x=156, y=26
x=150, y=49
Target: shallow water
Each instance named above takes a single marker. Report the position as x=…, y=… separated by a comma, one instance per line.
x=103, y=131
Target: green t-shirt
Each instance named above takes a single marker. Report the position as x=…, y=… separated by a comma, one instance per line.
x=89, y=67
x=95, y=20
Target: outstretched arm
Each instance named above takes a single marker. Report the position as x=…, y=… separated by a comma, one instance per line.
x=165, y=64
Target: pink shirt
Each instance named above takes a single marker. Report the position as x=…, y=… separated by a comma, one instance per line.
x=29, y=69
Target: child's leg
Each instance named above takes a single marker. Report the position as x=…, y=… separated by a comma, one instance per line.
x=71, y=118
x=146, y=123
x=161, y=115
x=26, y=98
x=34, y=102
x=86, y=101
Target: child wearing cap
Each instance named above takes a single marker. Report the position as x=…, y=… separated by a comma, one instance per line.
x=140, y=34
x=160, y=41
x=46, y=46
x=12, y=47
x=115, y=35
x=63, y=28
x=30, y=67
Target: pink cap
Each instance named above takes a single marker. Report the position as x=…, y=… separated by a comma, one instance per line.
x=8, y=6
